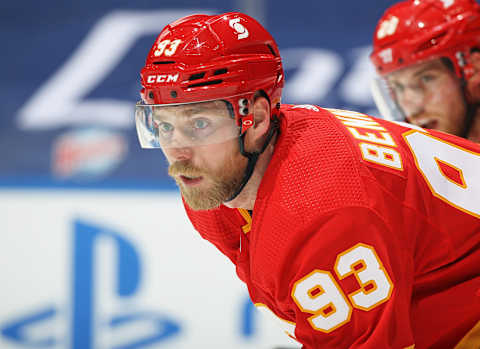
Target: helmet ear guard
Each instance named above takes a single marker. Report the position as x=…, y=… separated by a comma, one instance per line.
x=246, y=116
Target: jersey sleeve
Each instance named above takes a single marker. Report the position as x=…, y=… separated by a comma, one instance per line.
x=351, y=283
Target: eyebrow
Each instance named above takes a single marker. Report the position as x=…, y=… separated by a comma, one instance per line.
x=193, y=110
x=186, y=113
x=428, y=67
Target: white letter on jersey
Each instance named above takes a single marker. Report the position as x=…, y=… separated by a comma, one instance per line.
x=381, y=155
x=385, y=139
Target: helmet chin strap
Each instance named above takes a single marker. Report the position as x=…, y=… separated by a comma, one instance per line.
x=253, y=156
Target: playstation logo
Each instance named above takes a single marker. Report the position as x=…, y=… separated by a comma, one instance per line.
x=102, y=313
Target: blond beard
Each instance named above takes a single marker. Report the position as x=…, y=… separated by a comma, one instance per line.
x=224, y=184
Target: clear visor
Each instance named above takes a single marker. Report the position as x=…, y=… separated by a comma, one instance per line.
x=385, y=100
x=185, y=125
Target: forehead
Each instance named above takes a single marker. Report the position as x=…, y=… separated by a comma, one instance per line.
x=413, y=70
x=216, y=108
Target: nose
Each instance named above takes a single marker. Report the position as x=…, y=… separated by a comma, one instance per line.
x=179, y=153
x=412, y=102
x=179, y=147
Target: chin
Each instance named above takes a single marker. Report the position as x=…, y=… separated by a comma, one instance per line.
x=202, y=206
x=201, y=201
x=452, y=131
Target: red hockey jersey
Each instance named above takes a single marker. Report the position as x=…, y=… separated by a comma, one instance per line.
x=365, y=233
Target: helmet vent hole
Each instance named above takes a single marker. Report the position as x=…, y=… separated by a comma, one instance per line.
x=206, y=83
x=220, y=71
x=164, y=62
x=272, y=50
x=196, y=76
x=430, y=43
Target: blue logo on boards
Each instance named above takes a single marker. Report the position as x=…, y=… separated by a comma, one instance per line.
x=82, y=323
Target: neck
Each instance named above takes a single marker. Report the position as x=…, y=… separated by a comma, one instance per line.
x=474, y=131
x=246, y=198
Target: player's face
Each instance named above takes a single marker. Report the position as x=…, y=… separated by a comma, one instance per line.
x=207, y=174
x=430, y=96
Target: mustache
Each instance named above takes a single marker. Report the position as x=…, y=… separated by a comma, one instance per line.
x=184, y=168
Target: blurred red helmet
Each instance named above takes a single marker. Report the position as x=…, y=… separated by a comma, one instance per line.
x=200, y=58
x=418, y=30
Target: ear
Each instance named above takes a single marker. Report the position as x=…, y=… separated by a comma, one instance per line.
x=473, y=83
x=475, y=60
x=256, y=134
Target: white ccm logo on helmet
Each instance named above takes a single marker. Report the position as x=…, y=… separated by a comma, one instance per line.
x=162, y=78
x=239, y=28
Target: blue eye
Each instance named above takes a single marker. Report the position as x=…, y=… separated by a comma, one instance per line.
x=165, y=127
x=200, y=123
x=427, y=78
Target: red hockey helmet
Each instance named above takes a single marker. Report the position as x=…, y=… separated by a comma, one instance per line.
x=417, y=30
x=202, y=58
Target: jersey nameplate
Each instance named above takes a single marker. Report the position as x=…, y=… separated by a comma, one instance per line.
x=375, y=143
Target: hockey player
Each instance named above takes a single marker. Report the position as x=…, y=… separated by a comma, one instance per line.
x=428, y=55
x=357, y=232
